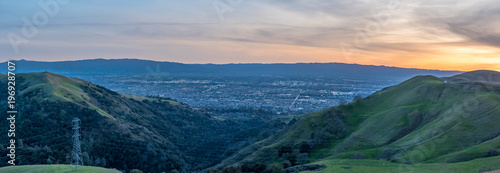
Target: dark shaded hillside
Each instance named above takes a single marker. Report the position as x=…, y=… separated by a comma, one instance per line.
x=422, y=120
x=118, y=130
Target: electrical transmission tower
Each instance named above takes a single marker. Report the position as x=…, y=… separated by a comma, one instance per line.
x=76, y=154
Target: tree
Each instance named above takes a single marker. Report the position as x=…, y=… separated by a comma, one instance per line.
x=491, y=152
x=103, y=162
x=97, y=162
x=302, y=158
x=174, y=171
x=231, y=169
x=319, y=139
x=284, y=150
x=342, y=102
x=387, y=154
x=253, y=167
x=286, y=163
x=136, y=171
x=86, y=158
x=277, y=168
x=358, y=98
x=305, y=147
x=359, y=156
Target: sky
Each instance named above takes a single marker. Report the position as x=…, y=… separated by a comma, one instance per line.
x=429, y=34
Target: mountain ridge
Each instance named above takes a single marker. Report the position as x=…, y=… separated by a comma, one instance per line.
x=138, y=67
x=127, y=131
x=425, y=119
x=221, y=64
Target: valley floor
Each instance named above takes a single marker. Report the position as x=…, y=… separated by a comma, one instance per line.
x=375, y=166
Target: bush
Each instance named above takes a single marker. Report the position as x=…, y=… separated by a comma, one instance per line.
x=136, y=171
x=333, y=128
x=387, y=154
x=305, y=147
x=253, y=167
x=284, y=150
x=302, y=158
x=492, y=152
x=292, y=158
x=231, y=169
x=359, y=156
x=358, y=98
x=286, y=163
x=320, y=138
x=277, y=168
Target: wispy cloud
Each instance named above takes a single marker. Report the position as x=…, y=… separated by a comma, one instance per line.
x=416, y=34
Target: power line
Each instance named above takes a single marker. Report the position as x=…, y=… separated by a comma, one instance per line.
x=76, y=154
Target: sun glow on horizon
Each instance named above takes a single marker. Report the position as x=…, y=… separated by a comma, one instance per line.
x=463, y=36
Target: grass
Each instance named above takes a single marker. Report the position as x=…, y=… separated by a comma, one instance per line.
x=55, y=169
x=60, y=88
x=454, y=129
x=424, y=118
x=375, y=166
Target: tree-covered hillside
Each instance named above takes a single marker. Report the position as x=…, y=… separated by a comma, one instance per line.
x=119, y=131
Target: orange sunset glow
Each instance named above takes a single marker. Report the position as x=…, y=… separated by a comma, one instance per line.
x=463, y=36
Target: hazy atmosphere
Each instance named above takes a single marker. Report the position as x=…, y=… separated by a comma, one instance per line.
x=250, y=86
x=407, y=33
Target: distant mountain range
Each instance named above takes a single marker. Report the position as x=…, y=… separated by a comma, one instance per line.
x=136, y=66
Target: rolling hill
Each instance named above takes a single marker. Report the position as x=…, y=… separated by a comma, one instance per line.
x=424, y=120
x=119, y=131
x=423, y=123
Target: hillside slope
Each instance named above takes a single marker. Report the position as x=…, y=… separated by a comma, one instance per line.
x=422, y=120
x=118, y=130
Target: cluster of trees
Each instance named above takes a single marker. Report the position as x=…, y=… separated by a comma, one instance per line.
x=331, y=127
x=44, y=128
x=151, y=135
x=291, y=157
x=250, y=166
x=158, y=97
x=328, y=128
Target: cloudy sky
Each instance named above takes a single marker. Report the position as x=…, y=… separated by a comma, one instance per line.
x=431, y=34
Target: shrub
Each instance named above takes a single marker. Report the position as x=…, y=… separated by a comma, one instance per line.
x=286, y=163
x=284, y=150
x=491, y=152
x=387, y=154
x=231, y=169
x=359, y=156
x=320, y=138
x=253, y=167
x=136, y=171
x=305, y=147
x=358, y=98
x=277, y=168
x=302, y=158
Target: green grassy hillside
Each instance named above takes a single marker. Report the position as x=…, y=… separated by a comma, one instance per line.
x=55, y=169
x=423, y=120
x=118, y=130
x=377, y=166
